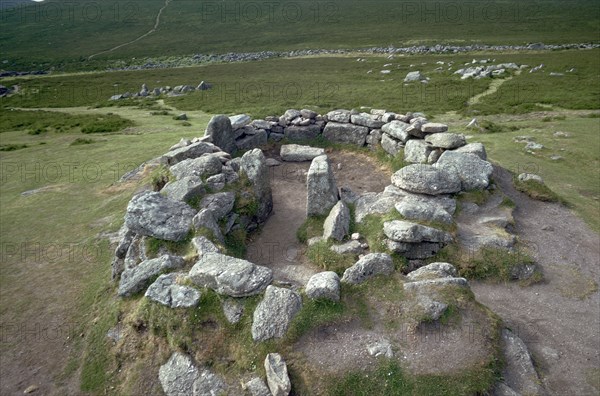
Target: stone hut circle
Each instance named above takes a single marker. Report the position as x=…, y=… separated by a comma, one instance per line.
x=180, y=243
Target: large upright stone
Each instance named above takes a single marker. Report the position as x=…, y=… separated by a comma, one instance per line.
x=337, y=223
x=154, y=215
x=229, y=275
x=277, y=375
x=321, y=187
x=274, y=313
x=254, y=166
x=427, y=179
x=346, y=133
x=474, y=173
x=220, y=130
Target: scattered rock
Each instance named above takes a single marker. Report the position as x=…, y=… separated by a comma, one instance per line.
x=534, y=146
x=324, y=285
x=31, y=389
x=277, y=375
x=298, y=153
x=222, y=135
x=257, y=387
x=230, y=276
x=166, y=291
x=381, y=348
x=370, y=265
x=134, y=279
x=233, y=310
x=524, y=177
x=274, y=313
x=414, y=76
x=177, y=375
x=337, y=223
x=433, y=271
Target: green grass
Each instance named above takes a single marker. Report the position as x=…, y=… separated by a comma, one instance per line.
x=37, y=122
x=12, y=147
x=314, y=313
x=65, y=36
x=322, y=256
x=311, y=227
x=537, y=190
x=81, y=141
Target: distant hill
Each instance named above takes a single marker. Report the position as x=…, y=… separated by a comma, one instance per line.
x=57, y=31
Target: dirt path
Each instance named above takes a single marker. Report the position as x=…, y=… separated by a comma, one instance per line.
x=277, y=246
x=149, y=32
x=559, y=320
x=493, y=88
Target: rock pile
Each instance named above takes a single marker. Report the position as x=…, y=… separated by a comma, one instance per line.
x=167, y=90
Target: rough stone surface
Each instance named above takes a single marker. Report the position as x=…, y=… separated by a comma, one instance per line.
x=530, y=176
x=427, y=179
x=473, y=172
x=252, y=141
x=346, y=133
x=274, y=313
x=184, y=189
x=135, y=279
x=446, y=140
x=381, y=348
x=414, y=251
x=277, y=375
x=220, y=130
x=370, y=265
x=209, y=384
x=177, y=375
x=445, y=202
x=339, y=115
x=367, y=120
x=191, y=151
x=350, y=247
x=203, y=167
x=206, y=219
x=230, y=276
x=519, y=372
x=220, y=203
x=152, y=214
x=424, y=285
x=233, y=309
x=397, y=130
x=254, y=166
x=433, y=271
x=417, y=151
x=373, y=203
x=321, y=187
x=204, y=245
x=407, y=232
x=298, y=153
x=239, y=121
x=413, y=209
x=474, y=148
x=166, y=291
x=434, y=127
x=299, y=132
x=257, y=387
x=390, y=145
x=324, y=285
x=337, y=223
x=414, y=76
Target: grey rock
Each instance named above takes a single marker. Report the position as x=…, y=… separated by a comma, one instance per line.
x=519, y=372
x=154, y=215
x=205, y=166
x=307, y=113
x=322, y=192
x=257, y=387
x=254, y=166
x=209, y=384
x=277, y=375
x=136, y=253
x=473, y=172
x=205, y=219
x=298, y=153
x=424, y=285
x=433, y=271
x=524, y=177
x=272, y=162
x=417, y=151
x=230, y=276
x=370, y=265
x=423, y=211
x=367, y=120
x=177, y=375
x=348, y=196
x=397, y=130
x=292, y=114
x=523, y=271
x=501, y=389
x=233, y=309
x=373, y=203
x=204, y=245
x=446, y=140
x=191, y=151
x=252, y=141
x=434, y=127
x=184, y=189
x=350, y=247
x=474, y=148
x=337, y=223
x=431, y=308
x=274, y=313
x=534, y=146
x=299, y=132
x=324, y=285
x=135, y=279
x=220, y=203
x=381, y=348
x=239, y=121
x=414, y=251
x=339, y=116
x=444, y=201
x=220, y=130
x=166, y=291
x=346, y=133
x=390, y=145
x=405, y=231
x=276, y=137
x=216, y=182
x=414, y=76
x=427, y=179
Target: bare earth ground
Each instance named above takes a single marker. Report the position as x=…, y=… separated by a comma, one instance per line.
x=559, y=319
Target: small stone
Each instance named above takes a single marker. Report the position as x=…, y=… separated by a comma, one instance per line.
x=355, y=236
x=31, y=389
x=277, y=375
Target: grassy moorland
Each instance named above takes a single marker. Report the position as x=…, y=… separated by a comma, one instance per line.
x=64, y=35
